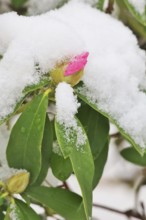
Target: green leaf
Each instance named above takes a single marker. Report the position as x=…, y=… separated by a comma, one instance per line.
x=61, y=167
x=121, y=130
x=100, y=4
x=24, y=146
x=42, y=83
x=66, y=146
x=132, y=156
x=26, y=211
x=21, y=211
x=18, y=3
x=1, y=215
x=130, y=20
x=1, y=201
x=82, y=162
x=96, y=127
x=140, y=17
x=63, y=202
x=46, y=151
x=99, y=164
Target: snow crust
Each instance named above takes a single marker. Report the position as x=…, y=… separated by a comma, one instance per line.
x=139, y=5
x=114, y=75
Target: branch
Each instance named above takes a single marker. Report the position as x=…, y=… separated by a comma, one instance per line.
x=128, y=213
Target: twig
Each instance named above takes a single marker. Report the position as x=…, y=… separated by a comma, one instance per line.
x=110, y=7
x=115, y=135
x=64, y=185
x=128, y=213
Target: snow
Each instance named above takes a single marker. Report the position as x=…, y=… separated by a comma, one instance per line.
x=115, y=71
x=114, y=75
x=139, y=5
x=66, y=104
x=66, y=108
x=56, y=149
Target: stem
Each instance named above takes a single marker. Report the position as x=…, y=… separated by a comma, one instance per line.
x=66, y=186
x=110, y=7
x=115, y=135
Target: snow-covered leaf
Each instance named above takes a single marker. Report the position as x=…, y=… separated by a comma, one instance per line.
x=81, y=159
x=21, y=211
x=124, y=134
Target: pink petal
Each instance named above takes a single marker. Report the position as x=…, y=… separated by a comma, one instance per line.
x=76, y=64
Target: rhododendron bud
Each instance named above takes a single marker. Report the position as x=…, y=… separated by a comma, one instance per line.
x=18, y=183
x=70, y=72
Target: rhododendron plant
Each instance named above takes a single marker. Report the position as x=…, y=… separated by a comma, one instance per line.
x=66, y=75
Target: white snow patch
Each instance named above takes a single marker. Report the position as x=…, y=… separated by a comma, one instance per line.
x=66, y=107
x=66, y=104
x=139, y=5
x=6, y=172
x=13, y=212
x=114, y=74
x=56, y=149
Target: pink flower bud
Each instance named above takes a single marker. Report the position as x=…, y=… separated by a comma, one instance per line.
x=76, y=64
x=70, y=71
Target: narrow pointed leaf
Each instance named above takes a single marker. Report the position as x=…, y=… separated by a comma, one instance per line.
x=63, y=202
x=100, y=4
x=96, y=127
x=99, y=164
x=141, y=17
x=82, y=163
x=132, y=156
x=24, y=147
x=46, y=150
x=61, y=167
